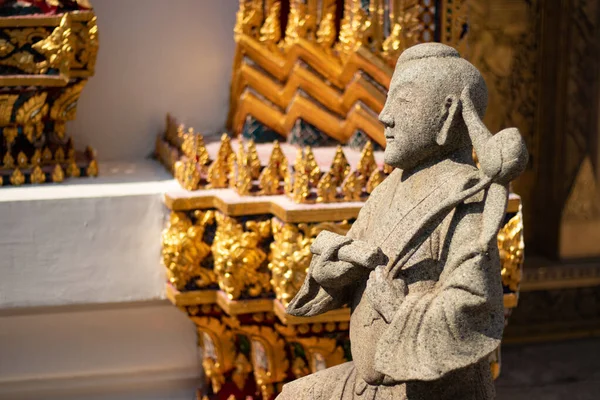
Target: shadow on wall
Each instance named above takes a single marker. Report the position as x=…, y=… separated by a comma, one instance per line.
x=155, y=57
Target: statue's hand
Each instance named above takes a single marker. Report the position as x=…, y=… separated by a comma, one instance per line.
x=384, y=294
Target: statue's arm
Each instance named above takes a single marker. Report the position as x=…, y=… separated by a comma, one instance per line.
x=454, y=325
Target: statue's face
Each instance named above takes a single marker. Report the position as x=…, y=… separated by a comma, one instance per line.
x=412, y=115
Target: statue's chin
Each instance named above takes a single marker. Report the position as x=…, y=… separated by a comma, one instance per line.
x=393, y=159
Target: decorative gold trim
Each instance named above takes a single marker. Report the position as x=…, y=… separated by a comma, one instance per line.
x=280, y=206
x=191, y=298
x=43, y=20
x=236, y=307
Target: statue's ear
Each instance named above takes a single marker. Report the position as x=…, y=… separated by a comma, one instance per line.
x=449, y=112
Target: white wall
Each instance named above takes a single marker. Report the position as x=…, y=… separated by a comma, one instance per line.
x=156, y=56
x=112, y=352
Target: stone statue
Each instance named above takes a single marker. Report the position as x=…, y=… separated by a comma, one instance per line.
x=420, y=266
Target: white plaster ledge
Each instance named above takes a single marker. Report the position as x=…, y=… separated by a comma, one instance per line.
x=90, y=240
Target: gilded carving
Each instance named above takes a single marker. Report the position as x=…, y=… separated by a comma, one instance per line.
x=219, y=353
x=7, y=102
x=37, y=175
x=511, y=247
x=17, y=178
x=239, y=260
x=290, y=254
x=58, y=174
x=64, y=107
x=184, y=250
x=322, y=352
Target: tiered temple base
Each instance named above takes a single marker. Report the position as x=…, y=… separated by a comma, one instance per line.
x=234, y=262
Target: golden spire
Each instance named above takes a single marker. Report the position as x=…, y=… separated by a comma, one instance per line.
x=374, y=180
x=17, y=178
x=73, y=169
x=46, y=155
x=301, y=188
x=187, y=147
x=217, y=174
x=8, y=161
x=366, y=164
x=311, y=169
x=59, y=155
x=352, y=188
x=253, y=160
x=376, y=17
x=92, y=169
x=57, y=174
x=274, y=171
x=36, y=158
x=297, y=23
x=339, y=166
x=270, y=32
x=225, y=149
x=326, y=34
x=22, y=160
x=243, y=180
x=326, y=189
x=37, y=175
x=200, y=151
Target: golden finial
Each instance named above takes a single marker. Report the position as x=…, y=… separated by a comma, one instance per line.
x=394, y=43
x=340, y=167
x=189, y=175
x=10, y=134
x=59, y=155
x=22, y=160
x=200, y=151
x=217, y=174
x=225, y=149
x=187, y=147
x=374, y=180
x=253, y=160
x=37, y=175
x=46, y=155
x=366, y=164
x=299, y=162
x=36, y=158
x=311, y=168
x=92, y=169
x=301, y=188
x=387, y=169
x=243, y=182
x=326, y=34
x=17, y=178
x=269, y=180
x=8, y=161
x=73, y=169
x=270, y=32
x=352, y=188
x=180, y=132
x=326, y=189
x=232, y=163
x=288, y=184
x=57, y=174
x=278, y=160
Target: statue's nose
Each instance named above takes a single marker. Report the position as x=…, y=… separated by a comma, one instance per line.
x=386, y=117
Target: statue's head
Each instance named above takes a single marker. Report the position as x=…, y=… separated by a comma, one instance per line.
x=422, y=114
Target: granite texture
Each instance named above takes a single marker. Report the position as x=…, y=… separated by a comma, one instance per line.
x=420, y=267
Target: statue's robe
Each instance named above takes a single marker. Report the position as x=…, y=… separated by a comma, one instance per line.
x=437, y=344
